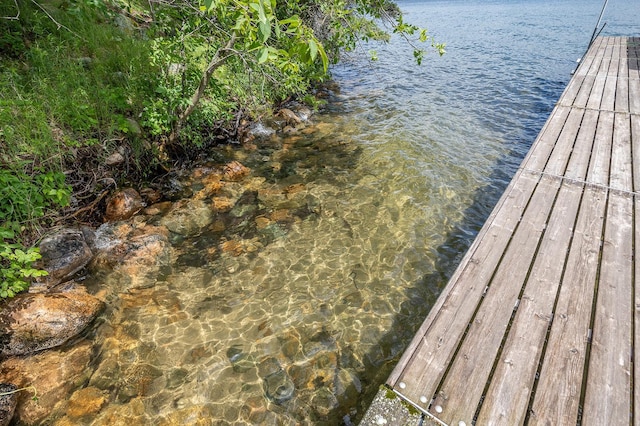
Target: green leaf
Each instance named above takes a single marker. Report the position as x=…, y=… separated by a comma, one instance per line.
x=264, y=31
x=313, y=49
x=263, y=55
x=262, y=17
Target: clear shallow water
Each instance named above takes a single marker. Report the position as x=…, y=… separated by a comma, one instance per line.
x=292, y=305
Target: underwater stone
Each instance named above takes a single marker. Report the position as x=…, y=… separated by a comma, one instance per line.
x=279, y=387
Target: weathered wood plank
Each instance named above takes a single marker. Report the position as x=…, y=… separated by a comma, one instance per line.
x=621, y=168
x=633, y=62
x=598, y=52
x=634, y=95
x=608, y=96
x=559, y=157
x=635, y=149
x=546, y=140
x=418, y=375
x=601, y=157
x=636, y=311
x=557, y=395
x=458, y=397
x=607, y=397
x=507, y=398
x=622, y=87
x=579, y=161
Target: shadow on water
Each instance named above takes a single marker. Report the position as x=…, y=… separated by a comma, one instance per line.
x=424, y=294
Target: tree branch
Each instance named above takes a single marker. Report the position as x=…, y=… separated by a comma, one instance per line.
x=59, y=25
x=13, y=18
x=218, y=60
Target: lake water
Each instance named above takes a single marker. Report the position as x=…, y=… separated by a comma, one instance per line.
x=382, y=197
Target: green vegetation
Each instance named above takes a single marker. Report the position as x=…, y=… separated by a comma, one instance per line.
x=83, y=79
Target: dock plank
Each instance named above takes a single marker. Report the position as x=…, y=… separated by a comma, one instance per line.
x=621, y=168
x=601, y=156
x=578, y=81
x=607, y=397
x=557, y=163
x=635, y=149
x=557, y=395
x=598, y=51
x=546, y=140
x=636, y=312
x=507, y=398
x=622, y=87
x=610, y=80
x=580, y=156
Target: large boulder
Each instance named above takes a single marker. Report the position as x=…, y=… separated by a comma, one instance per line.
x=63, y=254
x=33, y=322
x=8, y=402
x=123, y=205
x=54, y=374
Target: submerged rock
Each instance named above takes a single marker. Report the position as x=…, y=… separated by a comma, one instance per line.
x=279, y=387
x=123, y=205
x=85, y=403
x=63, y=254
x=8, y=402
x=33, y=322
x=235, y=171
x=55, y=375
x=189, y=218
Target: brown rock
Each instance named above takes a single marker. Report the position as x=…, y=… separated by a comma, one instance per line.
x=232, y=247
x=150, y=195
x=32, y=322
x=158, y=208
x=86, y=402
x=129, y=414
x=114, y=159
x=280, y=215
x=63, y=254
x=123, y=204
x=54, y=374
x=223, y=204
x=294, y=189
x=235, y=171
x=262, y=222
x=289, y=116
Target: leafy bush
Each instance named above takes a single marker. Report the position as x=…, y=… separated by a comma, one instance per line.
x=16, y=265
x=24, y=199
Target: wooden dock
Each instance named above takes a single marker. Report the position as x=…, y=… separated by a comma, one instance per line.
x=540, y=324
